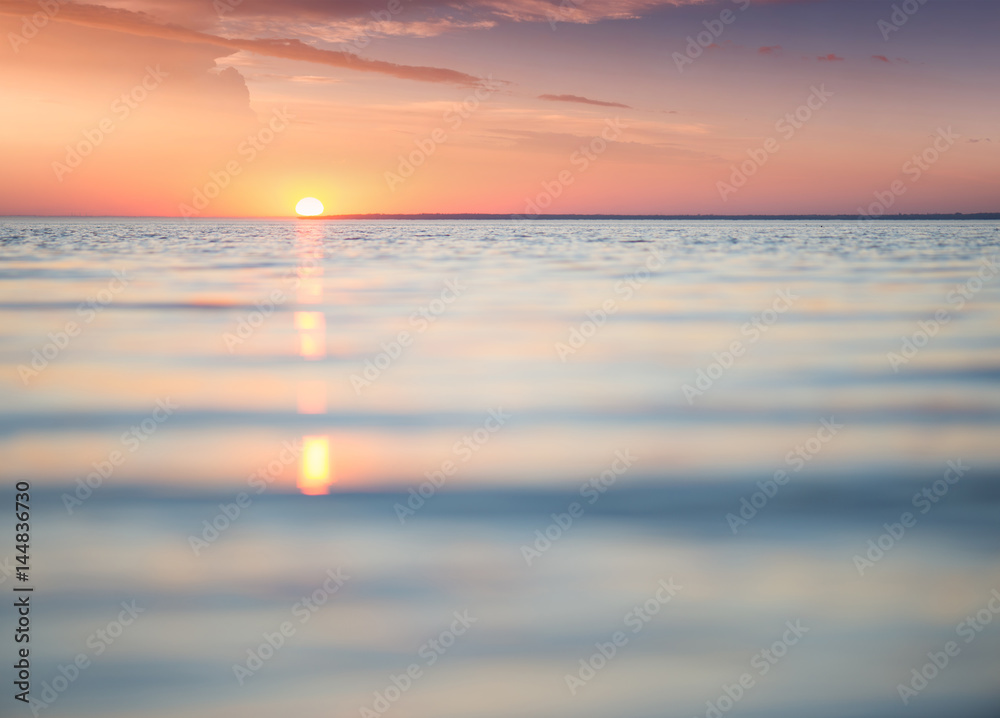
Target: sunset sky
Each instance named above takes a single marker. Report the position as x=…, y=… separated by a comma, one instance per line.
x=168, y=107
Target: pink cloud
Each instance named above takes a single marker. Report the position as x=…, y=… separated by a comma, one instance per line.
x=769, y=49
x=830, y=58
x=575, y=11
x=140, y=24
x=582, y=100
x=557, y=11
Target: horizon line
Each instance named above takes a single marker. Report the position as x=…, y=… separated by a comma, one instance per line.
x=542, y=217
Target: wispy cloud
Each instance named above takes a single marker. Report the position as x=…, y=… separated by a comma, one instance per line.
x=140, y=24
x=306, y=79
x=579, y=11
x=830, y=58
x=356, y=31
x=413, y=17
x=582, y=100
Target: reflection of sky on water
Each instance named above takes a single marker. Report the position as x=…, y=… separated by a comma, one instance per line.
x=280, y=410
x=464, y=551
x=350, y=288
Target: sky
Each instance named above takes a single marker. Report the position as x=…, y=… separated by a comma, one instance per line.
x=242, y=107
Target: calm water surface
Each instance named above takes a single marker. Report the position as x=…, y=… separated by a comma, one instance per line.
x=532, y=422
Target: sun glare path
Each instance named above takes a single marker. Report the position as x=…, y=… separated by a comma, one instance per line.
x=312, y=334
x=314, y=472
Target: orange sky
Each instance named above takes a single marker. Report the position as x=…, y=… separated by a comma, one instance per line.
x=148, y=107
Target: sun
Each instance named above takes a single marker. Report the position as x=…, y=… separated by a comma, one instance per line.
x=309, y=207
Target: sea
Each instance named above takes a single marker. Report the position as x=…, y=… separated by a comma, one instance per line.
x=497, y=469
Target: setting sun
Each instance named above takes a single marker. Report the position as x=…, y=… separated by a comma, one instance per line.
x=309, y=207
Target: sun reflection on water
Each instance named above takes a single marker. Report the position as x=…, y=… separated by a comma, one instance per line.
x=314, y=473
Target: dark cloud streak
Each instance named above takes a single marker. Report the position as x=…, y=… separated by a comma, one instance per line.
x=582, y=101
x=141, y=24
